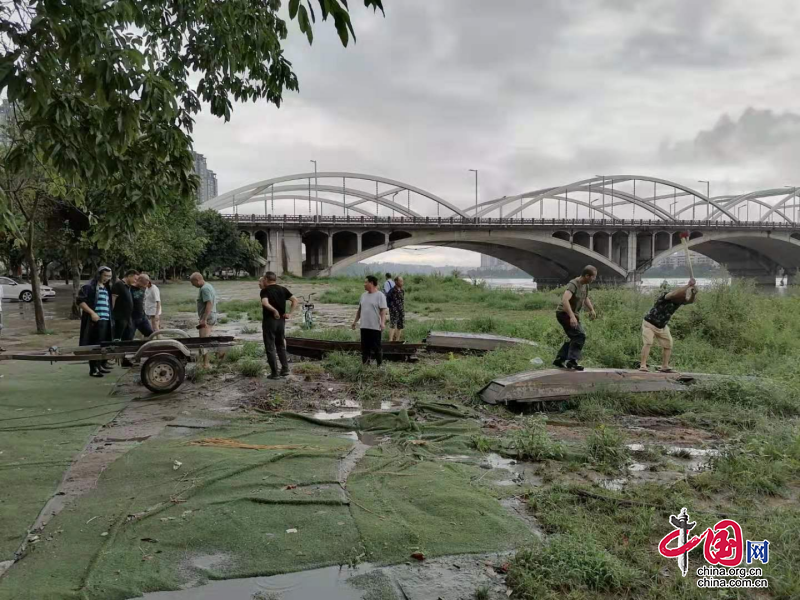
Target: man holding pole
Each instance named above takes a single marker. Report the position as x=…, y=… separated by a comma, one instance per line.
x=655, y=325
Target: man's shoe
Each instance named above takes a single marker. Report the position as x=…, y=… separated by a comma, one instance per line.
x=559, y=363
x=273, y=376
x=571, y=364
x=104, y=370
x=284, y=373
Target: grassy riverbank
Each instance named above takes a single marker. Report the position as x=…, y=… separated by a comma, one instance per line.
x=597, y=477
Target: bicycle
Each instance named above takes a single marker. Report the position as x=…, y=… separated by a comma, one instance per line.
x=308, y=312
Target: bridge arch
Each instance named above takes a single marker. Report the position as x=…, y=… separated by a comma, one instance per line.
x=756, y=255
x=540, y=255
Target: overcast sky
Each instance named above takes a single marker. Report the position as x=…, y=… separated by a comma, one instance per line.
x=533, y=94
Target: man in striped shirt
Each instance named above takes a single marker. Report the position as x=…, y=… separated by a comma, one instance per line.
x=94, y=300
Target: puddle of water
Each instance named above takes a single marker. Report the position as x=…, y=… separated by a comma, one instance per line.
x=613, y=484
x=329, y=583
x=346, y=403
x=326, y=416
x=350, y=435
x=495, y=461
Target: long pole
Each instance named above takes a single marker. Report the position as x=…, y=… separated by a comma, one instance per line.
x=708, y=196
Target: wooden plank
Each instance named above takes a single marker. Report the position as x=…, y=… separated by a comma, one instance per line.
x=482, y=342
x=313, y=348
x=557, y=384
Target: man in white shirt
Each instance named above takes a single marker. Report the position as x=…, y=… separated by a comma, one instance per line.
x=152, y=301
x=372, y=311
x=388, y=284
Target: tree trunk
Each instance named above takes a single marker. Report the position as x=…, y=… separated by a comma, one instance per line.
x=38, y=309
x=45, y=264
x=75, y=271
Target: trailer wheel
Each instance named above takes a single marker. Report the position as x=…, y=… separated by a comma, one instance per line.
x=163, y=373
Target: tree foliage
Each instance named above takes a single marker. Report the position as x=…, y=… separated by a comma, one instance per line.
x=105, y=84
x=226, y=248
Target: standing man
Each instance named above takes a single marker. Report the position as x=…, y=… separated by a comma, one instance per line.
x=122, y=306
x=388, y=284
x=396, y=301
x=574, y=298
x=273, y=324
x=372, y=313
x=94, y=300
x=655, y=325
x=152, y=301
x=206, y=309
x=139, y=319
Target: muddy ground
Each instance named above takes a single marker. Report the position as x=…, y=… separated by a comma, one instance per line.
x=664, y=451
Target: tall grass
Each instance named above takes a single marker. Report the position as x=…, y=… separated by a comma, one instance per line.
x=425, y=290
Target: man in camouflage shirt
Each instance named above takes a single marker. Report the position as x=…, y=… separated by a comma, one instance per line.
x=655, y=325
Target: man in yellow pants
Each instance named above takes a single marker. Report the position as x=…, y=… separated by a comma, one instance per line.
x=655, y=325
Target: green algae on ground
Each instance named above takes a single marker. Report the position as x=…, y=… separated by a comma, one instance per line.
x=47, y=414
x=247, y=504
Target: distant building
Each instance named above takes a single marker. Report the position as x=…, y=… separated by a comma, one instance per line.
x=490, y=262
x=208, y=179
x=678, y=259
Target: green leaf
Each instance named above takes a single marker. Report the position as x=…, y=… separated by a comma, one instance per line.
x=305, y=25
x=293, y=6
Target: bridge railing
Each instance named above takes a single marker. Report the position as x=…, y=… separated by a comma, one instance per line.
x=316, y=220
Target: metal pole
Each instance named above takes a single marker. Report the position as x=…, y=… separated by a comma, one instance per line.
x=634, y=198
x=708, y=195
x=344, y=198
x=377, y=208
x=316, y=188
x=272, y=191
x=309, y=196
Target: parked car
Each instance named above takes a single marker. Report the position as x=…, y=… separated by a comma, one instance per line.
x=13, y=290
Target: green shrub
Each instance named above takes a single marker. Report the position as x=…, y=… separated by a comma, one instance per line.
x=533, y=442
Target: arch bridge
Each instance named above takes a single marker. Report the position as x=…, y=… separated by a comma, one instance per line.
x=620, y=223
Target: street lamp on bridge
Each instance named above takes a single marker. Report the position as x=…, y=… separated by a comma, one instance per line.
x=476, y=190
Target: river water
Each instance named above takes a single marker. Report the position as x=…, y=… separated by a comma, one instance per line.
x=647, y=283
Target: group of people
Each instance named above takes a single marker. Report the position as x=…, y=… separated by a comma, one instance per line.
x=117, y=312
x=133, y=303
x=655, y=325
x=373, y=307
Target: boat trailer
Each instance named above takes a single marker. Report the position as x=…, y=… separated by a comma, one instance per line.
x=163, y=360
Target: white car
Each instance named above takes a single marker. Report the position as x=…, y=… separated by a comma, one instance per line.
x=22, y=291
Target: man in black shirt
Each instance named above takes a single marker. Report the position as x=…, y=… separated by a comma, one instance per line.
x=139, y=319
x=273, y=305
x=122, y=306
x=655, y=325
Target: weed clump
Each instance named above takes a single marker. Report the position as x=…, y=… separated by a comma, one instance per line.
x=606, y=450
x=250, y=367
x=534, y=443
x=248, y=329
x=567, y=563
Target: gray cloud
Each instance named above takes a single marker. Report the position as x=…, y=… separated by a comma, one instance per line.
x=532, y=94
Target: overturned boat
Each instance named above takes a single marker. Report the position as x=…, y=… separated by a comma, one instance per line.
x=453, y=341
x=314, y=348
x=559, y=384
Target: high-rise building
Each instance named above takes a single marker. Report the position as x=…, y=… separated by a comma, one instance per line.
x=208, y=179
x=490, y=262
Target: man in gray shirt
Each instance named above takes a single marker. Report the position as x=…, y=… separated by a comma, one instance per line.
x=372, y=311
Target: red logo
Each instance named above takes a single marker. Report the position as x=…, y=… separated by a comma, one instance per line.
x=723, y=542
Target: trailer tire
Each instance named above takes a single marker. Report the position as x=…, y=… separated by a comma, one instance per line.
x=163, y=373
